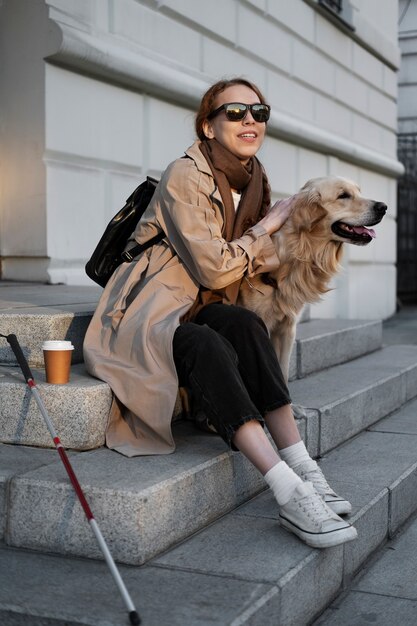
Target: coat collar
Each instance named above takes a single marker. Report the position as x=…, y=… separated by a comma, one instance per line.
x=196, y=155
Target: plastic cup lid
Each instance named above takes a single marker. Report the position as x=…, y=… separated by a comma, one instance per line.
x=57, y=345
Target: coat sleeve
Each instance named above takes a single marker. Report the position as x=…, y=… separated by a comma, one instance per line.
x=190, y=218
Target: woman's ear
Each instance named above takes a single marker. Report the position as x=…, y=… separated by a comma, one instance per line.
x=208, y=130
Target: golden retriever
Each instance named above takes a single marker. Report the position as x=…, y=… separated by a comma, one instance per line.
x=329, y=212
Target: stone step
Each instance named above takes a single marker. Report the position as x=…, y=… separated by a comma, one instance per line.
x=243, y=569
x=79, y=409
x=33, y=326
x=376, y=471
x=320, y=343
x=154, y=502
x=37, y=312
x=343, y=400
x=166, y=498
x=323, y=343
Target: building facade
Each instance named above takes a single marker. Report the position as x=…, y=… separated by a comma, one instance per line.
x=97, y=94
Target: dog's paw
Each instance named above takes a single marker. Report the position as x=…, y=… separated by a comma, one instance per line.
x=299, y=411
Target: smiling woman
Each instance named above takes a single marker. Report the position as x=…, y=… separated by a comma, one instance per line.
x=170, y=317
x=235, y=122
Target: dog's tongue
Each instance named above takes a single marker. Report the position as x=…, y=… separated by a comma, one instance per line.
x=362, y=230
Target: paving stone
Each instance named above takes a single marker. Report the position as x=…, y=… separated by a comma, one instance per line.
x=15, y=295
x=319, y=344
x=157, y=501
x=33, y=326
x=144, y=504
x=309, y=429
x=368, y=463
x=355, y=395
x=366, y=608
x=401, y=328
x=79, y=409
x=370, y=518
x=388, y=583
x=15, y=460
x=324, y=343
x=411, y=384
x=404, y=421
x=371, y=522
x=255, y=548
x=149, y=504
x=394, y=573
x=36, y=312
x=377, y=473
x=45, y=590
x=403, y=499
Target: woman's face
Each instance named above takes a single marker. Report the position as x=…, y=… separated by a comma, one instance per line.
x=244, y=137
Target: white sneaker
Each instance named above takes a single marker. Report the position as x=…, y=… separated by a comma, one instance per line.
x=310, y=471
x=308, y=516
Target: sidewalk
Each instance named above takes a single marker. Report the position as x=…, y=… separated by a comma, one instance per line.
x=385, y=591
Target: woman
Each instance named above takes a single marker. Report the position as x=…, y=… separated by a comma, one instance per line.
x=170, y=318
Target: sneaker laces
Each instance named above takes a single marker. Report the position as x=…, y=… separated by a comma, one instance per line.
x=313, y=474
x=314, y=506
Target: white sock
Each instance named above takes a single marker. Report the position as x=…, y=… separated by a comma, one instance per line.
x=295, y=454
x=283, y=481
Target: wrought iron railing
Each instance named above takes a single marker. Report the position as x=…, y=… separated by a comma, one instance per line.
x=407, y=219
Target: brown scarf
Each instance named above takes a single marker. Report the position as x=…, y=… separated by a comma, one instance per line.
x=229, y=173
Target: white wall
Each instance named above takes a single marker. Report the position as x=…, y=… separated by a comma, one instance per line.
x=118, y=88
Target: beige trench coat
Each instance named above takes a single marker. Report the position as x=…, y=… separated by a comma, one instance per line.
x=129, y=341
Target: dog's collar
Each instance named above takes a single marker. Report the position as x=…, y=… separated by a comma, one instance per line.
x=268, y=280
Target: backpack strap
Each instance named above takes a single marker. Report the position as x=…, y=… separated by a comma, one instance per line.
x=128, y=255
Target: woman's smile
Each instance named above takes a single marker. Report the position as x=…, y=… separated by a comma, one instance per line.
x=248, y=137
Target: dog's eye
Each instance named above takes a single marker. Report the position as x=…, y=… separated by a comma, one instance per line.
x=344, y=196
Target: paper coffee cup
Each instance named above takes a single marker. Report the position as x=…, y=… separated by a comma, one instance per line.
x=57, y=358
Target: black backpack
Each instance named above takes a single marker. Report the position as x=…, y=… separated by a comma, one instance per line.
x=110, y=251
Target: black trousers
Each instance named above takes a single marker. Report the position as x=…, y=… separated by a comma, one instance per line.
x=226, y=360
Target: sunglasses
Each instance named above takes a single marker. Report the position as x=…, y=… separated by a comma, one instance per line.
x=236, y=111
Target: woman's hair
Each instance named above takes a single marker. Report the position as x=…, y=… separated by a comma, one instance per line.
x=207, y=101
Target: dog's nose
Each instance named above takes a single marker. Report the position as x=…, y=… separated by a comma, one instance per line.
x=380, y=208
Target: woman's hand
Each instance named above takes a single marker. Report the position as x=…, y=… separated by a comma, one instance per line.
x=278, y=214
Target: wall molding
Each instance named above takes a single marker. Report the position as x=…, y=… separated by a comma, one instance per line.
x=134, y=67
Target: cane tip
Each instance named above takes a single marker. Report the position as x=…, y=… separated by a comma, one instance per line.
x=134, y=618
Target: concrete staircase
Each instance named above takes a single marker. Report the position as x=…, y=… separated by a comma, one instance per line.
x=240, y=567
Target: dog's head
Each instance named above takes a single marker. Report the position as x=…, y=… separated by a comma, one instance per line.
x=333, y=206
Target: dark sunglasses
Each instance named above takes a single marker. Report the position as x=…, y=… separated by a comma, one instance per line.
x=236, y=111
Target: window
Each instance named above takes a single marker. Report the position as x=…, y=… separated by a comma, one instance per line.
x=333, y=5
x=340, y=12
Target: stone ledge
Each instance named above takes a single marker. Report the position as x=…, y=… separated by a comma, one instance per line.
x=144, y=504
x=355, y=395
x=34, y=325
x=323, y=343
x=284, y=581
x=367, y=471
x=17, y=460
x=79, y=410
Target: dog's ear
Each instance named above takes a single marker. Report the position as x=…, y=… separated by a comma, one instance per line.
x=313, y=196
x=308, y=211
